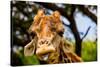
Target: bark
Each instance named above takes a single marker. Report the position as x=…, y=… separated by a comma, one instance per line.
x=77, y=37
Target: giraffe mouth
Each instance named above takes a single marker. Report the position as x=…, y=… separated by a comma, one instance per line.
x=45, y=57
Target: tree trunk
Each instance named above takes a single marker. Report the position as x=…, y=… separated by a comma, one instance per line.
x=76, y=35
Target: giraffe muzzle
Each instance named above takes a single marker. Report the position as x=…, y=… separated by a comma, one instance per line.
x=44, y=47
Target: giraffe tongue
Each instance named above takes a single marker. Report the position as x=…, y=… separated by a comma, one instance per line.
x=45, y=57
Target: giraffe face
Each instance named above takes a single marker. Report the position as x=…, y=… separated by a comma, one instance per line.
x=46, y=27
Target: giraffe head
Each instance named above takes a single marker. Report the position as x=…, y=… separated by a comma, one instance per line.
x=45, y=27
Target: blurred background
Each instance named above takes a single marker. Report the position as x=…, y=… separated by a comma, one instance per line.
x=80, y=23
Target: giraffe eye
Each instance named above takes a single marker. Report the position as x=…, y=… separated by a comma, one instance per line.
x=32, y=34
x=60, y=33
x=48, y=44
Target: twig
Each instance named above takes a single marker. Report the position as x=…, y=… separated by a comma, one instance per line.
x=86, y=32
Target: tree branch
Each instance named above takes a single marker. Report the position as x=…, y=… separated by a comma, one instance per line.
x=86, y=32
x=88, y=13
x=66, y=24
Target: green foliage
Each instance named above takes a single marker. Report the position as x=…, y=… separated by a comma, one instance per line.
x=31, y=60
x=26, y=60
x=89, y=51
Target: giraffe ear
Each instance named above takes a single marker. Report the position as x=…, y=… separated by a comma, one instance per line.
x=29, y=49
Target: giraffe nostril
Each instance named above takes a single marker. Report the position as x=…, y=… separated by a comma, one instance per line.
x=42, y=42
x=45, y=41
x=49, y=44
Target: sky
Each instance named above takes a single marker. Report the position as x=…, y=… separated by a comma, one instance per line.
x=82, y=23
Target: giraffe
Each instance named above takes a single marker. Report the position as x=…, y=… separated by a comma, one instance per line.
x=48, y=43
